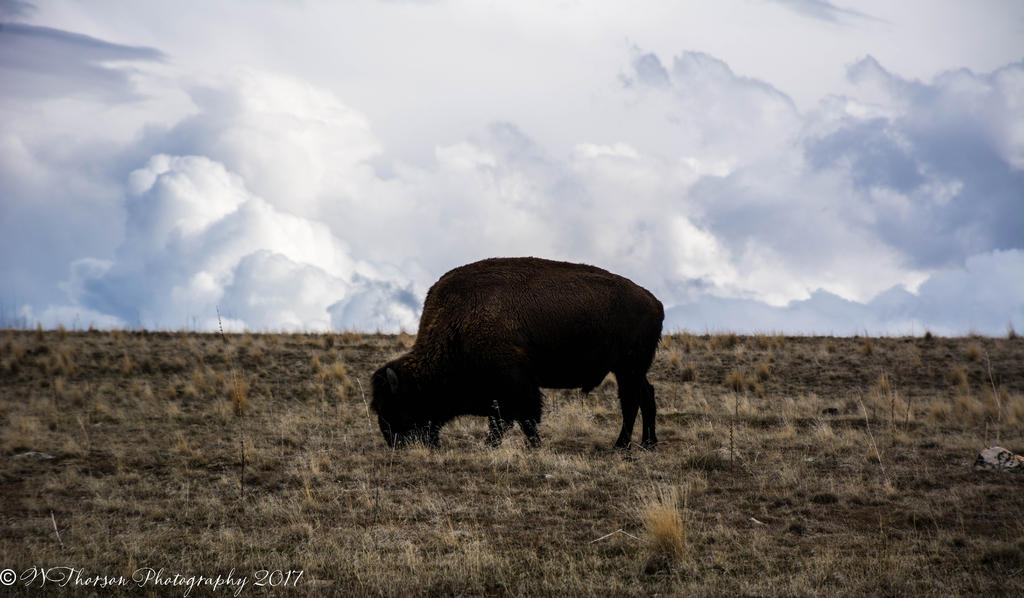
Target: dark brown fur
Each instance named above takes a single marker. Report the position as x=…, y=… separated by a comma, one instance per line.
x=494, y=332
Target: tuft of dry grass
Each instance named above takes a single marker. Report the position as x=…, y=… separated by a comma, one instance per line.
x=940, y=411
x=127, y=366
x=14, y=352
x=736, y=381
x=973, y=352
x=957, y=377
x=883, y=386
x=763, y=342
x=22, y=434
x=663, y=527
x=687, y=372
x=343, y=384
x=823, y=432
x=182, y=446
x=1013, y=409
x=725, y=341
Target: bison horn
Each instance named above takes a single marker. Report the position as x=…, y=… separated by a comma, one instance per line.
x=392, y=380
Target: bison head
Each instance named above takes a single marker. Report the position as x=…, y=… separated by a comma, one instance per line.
x=397, y=413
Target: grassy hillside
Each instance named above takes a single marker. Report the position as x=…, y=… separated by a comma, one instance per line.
x=787, y=465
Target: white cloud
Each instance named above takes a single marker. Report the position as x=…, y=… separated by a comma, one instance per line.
x=940, y=177
x=292, y=143
x=173, y=191
x=196, y=240
x=986, y=296
x=377, y=305
x=255, y=293
x=822, y=9
x=43, y=62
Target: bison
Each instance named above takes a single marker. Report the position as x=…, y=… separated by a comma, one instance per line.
x=495, y=331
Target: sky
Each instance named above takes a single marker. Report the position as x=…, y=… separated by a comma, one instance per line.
x=794, y=166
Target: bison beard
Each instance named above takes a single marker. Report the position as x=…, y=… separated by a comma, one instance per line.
x=494, y=332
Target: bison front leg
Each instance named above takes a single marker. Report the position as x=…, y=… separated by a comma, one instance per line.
x=529, y=417
x=529, y=427
x=496, y=427
x=433, y=438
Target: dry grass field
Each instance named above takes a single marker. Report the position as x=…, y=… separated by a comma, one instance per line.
x=787, y=466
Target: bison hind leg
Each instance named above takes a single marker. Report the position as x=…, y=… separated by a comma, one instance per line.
x=433, y=438
x=648, y=410
x=636, y=395
x=630, y=392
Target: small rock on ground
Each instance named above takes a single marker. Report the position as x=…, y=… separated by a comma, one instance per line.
x=996, y=458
